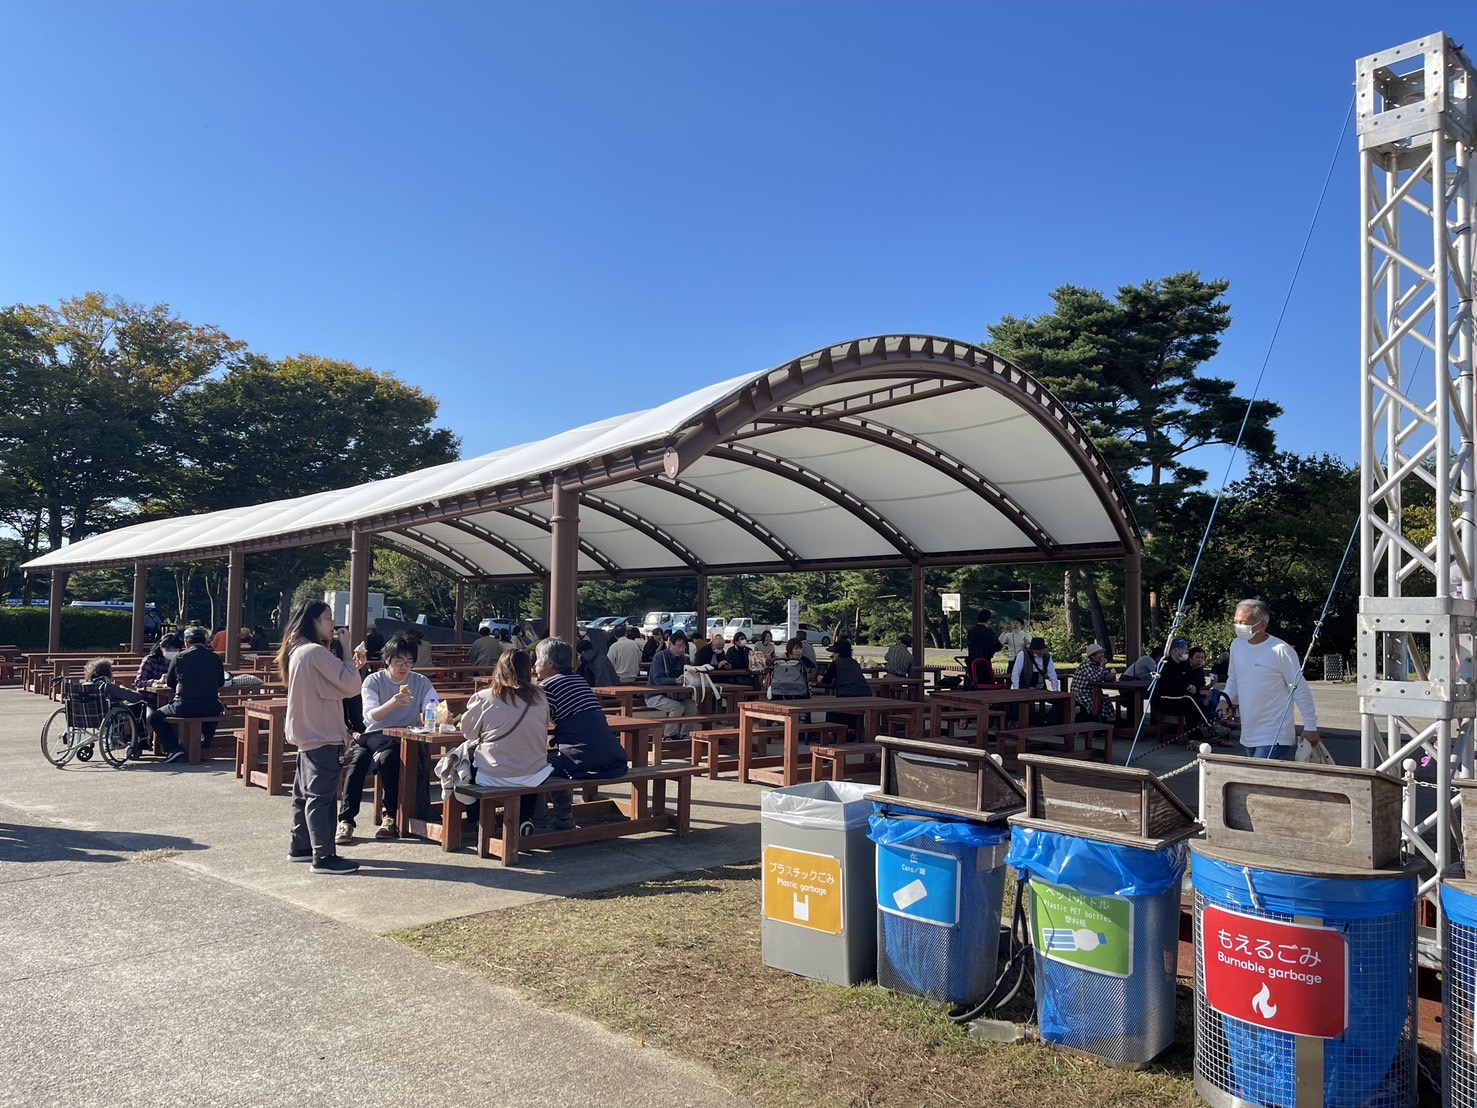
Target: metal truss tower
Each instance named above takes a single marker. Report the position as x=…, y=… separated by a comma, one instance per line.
x=1418, y=543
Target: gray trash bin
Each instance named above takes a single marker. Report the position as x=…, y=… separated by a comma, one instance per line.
x=820, y=903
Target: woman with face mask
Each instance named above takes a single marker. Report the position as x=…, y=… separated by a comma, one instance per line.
x=1178, y=694
x=156, y=662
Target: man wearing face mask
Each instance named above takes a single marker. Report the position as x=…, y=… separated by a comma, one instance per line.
x=1178, y=693
x=1265, y=675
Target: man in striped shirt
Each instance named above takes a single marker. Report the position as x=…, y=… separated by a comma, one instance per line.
x=587, y=747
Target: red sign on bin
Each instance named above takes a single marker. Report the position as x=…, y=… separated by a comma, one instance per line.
x=1283, y=976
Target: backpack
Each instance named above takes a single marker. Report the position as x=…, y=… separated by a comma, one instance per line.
x=787, y=679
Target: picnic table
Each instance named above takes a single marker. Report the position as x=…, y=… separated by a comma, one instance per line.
x=901, y=688
x=624, y=696
x=980, y=702
x=931, y=673
x=262, y=747
x=875, y=711
x=1131, y=696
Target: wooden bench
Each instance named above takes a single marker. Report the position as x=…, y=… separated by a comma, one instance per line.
x=650, y=813
x=707, y=745
x=1021, y=740
x=833, y=762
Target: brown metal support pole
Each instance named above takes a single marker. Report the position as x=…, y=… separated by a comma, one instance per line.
x=140, y=598
x=235, y=591
x=1133, y=606
x=54, y=612
x=920, y=638
x=564, y=563
x=359, y=586
x=702, y=605
x=461, y=604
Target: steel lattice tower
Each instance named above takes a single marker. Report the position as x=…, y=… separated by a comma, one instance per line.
x=1418, y=544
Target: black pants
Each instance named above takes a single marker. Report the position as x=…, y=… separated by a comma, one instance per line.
x=371, y=751
x=1186, y=707
x=183, y=710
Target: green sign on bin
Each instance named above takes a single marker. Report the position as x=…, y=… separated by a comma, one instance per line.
x=1093, y=932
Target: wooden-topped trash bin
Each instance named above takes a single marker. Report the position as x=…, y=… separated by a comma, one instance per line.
x=1103, y=850
x=1305, y=938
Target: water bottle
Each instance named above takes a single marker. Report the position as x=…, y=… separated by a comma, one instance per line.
x=428, y=714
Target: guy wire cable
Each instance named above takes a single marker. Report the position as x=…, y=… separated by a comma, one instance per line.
x=1179, y=611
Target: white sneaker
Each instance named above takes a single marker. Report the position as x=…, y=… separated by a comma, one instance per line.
x=345, y=833
x=388, y=829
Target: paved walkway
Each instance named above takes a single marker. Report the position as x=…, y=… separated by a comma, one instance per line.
x=223, y=975
x=139, y=907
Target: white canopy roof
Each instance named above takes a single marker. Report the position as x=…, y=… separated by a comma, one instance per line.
x=888, y=451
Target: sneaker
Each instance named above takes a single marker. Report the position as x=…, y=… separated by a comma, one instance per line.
x=345, y=832
x=300, y=855
x=387, y=829
x=175, y=757
x=526, y=827
x=335, y=866
x=566, y=824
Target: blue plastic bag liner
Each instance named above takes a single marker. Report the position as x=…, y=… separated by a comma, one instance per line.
x=940, y=884
x=1095, y=868
x=1460, y=907
x=818, y=805
x=1292, y=894
x=1377, y=918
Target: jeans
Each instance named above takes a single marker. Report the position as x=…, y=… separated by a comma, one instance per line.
x=371, y=751
x=1274, y=751
x=314, y=790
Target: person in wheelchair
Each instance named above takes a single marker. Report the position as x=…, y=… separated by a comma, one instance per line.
x=99, y=673
x=392, y=697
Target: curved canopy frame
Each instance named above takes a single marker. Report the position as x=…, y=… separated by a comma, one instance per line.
x=893, y=451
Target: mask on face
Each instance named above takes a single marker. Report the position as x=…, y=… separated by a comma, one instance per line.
x=1178, y=655
x=171, y=655
x=1243, y=630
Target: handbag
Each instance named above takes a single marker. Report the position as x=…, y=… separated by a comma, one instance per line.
x=1313, y=755
x=457, y=767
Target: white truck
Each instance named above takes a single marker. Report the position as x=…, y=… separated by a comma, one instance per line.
x=378, y=609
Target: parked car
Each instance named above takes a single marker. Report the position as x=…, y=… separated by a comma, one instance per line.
x=814, y=635
x=656, y=621
x=686, y=622
x=611, y=625
x=715, y=623
x=495, y=625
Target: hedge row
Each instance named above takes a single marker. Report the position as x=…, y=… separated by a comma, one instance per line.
x=82, y=628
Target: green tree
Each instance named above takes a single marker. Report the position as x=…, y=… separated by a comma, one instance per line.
x=270, y=430
x=84, y=397
x=1129, y=368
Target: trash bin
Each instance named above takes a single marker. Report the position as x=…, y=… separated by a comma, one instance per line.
x=940, y=884
x=1102, y=847
x=1304, y=938
x=819, y=914
x=1459, y=989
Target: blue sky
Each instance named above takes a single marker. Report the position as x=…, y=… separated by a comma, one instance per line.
x=547, y=213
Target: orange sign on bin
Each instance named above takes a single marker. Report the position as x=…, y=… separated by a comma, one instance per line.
x=802, y=888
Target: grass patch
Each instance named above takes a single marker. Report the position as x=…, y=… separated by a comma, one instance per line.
x=676, y=964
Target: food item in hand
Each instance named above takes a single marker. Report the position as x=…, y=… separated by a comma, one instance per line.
x=404, y=690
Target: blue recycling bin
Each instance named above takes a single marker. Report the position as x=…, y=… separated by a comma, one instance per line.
x=1105, y=926
x=940, y=884
x=1459, y=991
x=1296, y=970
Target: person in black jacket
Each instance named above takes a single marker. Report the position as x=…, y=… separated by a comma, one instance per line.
x=196, y=675
x=984, y=644
x=1178, y=691
x=844, y=677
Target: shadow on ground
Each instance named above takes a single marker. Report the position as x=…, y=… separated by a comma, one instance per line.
x=28, y=843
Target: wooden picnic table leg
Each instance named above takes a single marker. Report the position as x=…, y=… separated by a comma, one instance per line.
x=276, y=756
x=251, y=748
x=792, y=748
x=409, y=783
x=684, y=805
x=935, y=720
x=746, y=739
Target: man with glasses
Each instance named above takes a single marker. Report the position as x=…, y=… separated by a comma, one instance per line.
x=393, y=697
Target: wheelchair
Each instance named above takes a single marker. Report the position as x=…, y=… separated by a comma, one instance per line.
x=87, y=722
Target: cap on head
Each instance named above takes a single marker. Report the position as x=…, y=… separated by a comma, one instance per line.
x=1094, y=648
x=1038, y=643
x=1180, y=644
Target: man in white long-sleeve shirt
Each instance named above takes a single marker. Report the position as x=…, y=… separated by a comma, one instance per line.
x=1265, y=673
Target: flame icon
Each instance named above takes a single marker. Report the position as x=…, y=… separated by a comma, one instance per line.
x=1261, y=1003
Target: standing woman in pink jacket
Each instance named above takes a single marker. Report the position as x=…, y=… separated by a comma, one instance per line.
x=317, y=683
